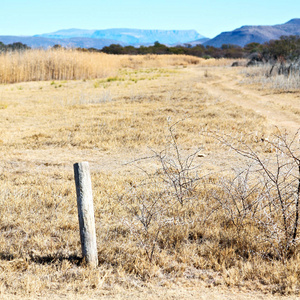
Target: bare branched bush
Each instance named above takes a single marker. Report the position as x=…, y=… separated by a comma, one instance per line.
x=147, y=206
x=239, y=196
x=179, y=173
x=159, y=200
x=274, y=192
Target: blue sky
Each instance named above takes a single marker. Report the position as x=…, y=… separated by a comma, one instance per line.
x=209, y=18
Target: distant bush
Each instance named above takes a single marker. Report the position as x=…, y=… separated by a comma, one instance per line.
x=278, y=61
x=13, y=47
x=287, y=48
x=227, y=51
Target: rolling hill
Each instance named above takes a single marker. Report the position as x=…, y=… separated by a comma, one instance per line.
x=258, y=34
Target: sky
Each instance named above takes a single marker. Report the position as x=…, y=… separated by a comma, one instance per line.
x=209, y=18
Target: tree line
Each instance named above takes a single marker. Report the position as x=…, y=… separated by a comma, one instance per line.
x=13, y=47
x=285, y=48
x=226, y=51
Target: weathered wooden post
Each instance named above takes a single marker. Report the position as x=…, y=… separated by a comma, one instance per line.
x=86, y=213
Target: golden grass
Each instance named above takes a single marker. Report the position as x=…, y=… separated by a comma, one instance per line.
x=47, y=126
x=63, y=64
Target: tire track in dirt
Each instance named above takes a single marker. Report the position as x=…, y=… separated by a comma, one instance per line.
x=281, y=110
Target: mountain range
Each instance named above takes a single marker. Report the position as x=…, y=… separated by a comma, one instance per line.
x=101, y=38
x=136, y=37
x=258, y=34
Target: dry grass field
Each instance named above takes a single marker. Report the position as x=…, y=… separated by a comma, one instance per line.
x=141, y=123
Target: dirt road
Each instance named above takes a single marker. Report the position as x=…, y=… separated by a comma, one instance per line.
x=281, y=109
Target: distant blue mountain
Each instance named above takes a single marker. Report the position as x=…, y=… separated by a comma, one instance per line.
x=136, y=37
x=259, y=34
x=127, y=36
x=41, y=42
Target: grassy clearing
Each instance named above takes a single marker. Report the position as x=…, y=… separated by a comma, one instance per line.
x=48, y=127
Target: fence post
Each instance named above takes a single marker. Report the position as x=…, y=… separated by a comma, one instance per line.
x=86, y=213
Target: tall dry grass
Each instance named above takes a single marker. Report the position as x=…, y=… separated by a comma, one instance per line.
x=268, y=76
x=41, y=65
x=68, y=64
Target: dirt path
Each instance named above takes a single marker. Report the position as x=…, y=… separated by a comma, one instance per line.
x=280, y=109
